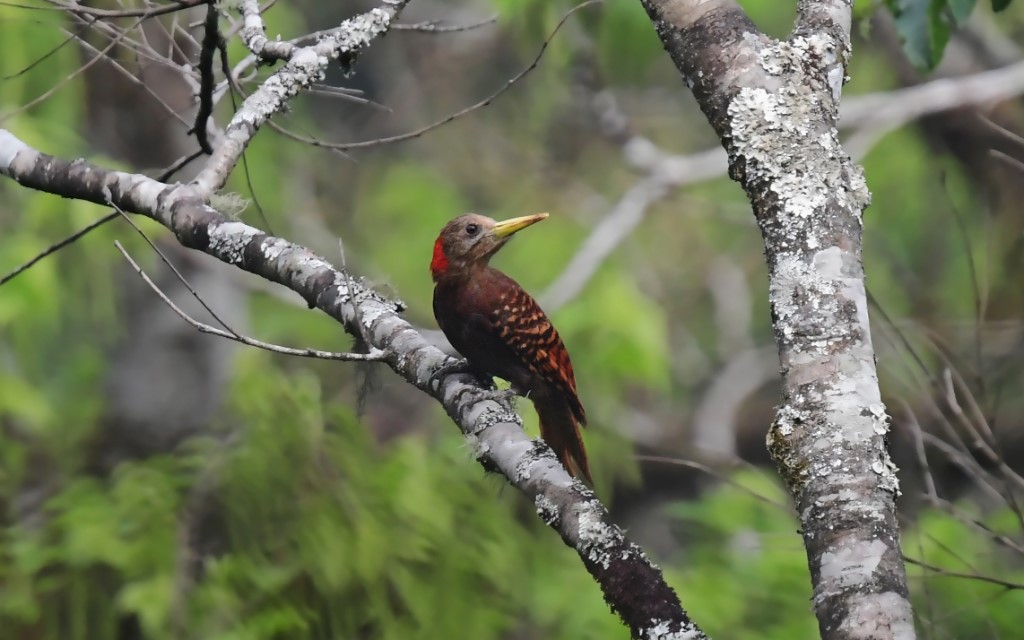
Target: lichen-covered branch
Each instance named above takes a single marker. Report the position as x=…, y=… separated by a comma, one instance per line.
x=305, y=66
x=632, y=585
x=774, y=104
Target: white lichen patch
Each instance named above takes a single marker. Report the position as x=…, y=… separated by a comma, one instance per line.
x=662, y=630
x=783, y=133
x=877, y=615
x=850, y=565
x=887, y=472
x=229, y=239
x=880, y=417
x=848, y=500
x=273, y=248
x=546, y=509
x=596, y=537
x=356, y=33
x=370, y=312
x=828, y=263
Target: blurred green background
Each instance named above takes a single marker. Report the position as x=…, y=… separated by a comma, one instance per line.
x=157, y=483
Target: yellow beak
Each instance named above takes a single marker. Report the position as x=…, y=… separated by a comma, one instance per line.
x=506, y=228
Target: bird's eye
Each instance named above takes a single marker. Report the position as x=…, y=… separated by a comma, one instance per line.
x=472, y=229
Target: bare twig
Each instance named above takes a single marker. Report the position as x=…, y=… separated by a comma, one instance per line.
x=345, y=146
x=174, y=270
x=980, y=577
x=43, y=58
x=1008, y=159
x=342, y=93
x=711, y=471
x=154, y=11
x=57, y=246
x=922, y=456
x=130, y=77
x=63, y=81
x=436, y=26
x=305, y=67
x=375, y=355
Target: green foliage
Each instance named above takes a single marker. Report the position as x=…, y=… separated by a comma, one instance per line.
x=925, y=25
x=960, y=606
x=325, y=531
x=746, y=571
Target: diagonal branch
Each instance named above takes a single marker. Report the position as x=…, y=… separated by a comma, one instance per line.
x=632, y=585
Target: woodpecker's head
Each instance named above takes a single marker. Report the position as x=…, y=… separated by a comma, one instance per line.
x=472, y=239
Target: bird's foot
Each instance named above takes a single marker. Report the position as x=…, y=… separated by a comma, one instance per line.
x=455, y=365
x=501, y=395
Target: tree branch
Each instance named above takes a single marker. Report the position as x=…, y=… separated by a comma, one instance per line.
x=633, y=587
x=305, y=67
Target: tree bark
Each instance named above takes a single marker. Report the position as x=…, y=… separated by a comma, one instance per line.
x=774, y=104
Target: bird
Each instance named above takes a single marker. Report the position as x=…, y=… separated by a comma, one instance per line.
x=501, y=330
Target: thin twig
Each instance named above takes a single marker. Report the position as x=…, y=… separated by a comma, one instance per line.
x=458, y=114
x=131, y=77
x=922, y=456
x=980, y=295
x=46, y=56
x=1008, y=159
x=174, y=270
x=1001, y=130
x=63, y=81
x=104, y=14
x=946, y=573
x=57, y=246
x=373, y=356
x=692, y=464
x=435, y=26
x=345, y=94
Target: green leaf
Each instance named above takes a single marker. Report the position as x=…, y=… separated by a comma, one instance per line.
x=912, y=25
x=961, y=9
x=924, y=26
x=999, y=5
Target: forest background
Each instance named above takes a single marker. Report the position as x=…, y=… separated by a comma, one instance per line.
x=159, y=483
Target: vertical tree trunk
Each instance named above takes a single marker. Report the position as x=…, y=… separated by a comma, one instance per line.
x=774, y=104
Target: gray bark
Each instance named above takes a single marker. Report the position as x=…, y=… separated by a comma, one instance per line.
x=775, y=107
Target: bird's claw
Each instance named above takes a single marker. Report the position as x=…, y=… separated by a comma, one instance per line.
x=500, y=396
x=452, y=365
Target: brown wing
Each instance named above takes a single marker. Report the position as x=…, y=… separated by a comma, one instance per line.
x=524, y=327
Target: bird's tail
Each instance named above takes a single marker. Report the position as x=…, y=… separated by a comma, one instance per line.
x=560, y=428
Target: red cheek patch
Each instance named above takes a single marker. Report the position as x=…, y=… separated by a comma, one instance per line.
x=439, y=263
